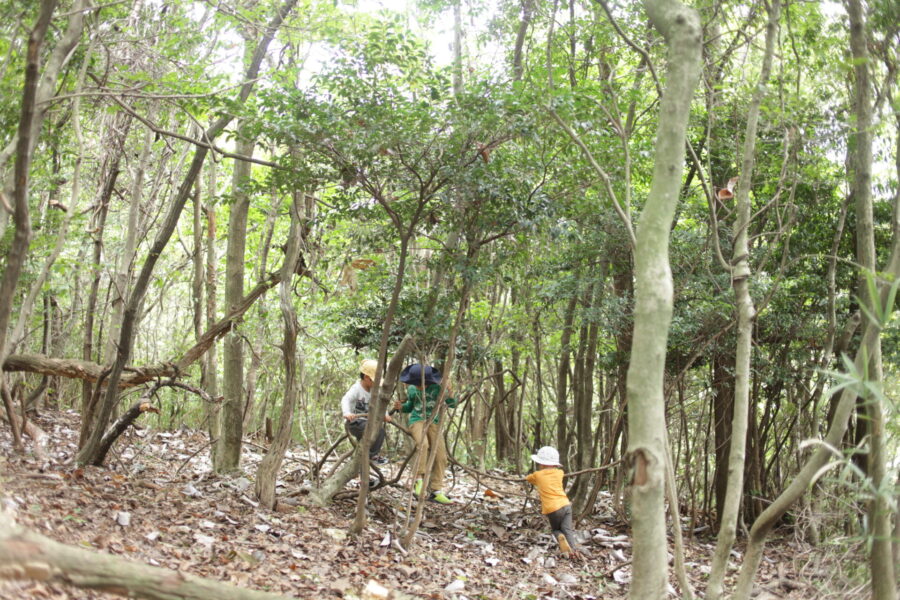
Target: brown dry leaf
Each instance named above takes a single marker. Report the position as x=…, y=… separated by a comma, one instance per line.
x=362, y=263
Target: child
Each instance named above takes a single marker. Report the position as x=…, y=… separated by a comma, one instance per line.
x=554, y=502
x=423, y=391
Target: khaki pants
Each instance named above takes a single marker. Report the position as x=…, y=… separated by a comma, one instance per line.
x=425, y=437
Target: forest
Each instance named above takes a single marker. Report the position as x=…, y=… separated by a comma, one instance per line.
x=661, y=238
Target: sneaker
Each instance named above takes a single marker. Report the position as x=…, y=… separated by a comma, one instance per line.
x=373, y=481
x=564, y=544
x=440, y=498
x=379, y=460
x=417, y=489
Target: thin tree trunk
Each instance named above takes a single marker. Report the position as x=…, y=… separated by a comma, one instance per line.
x=27, y=306
x=228, y=448
x=740, y=277
x=18, y=249
x=881, y=560
x=565, y=351
x=538, y=383
x=378, y=401
x=457, y=48
x=46, y=88
x=267, y=472
x=209, y=379
x=12, y=417
x=410, y=533
x=88, y=397
x=125, y=269
x=524, y=24
x=722, y=410
x=653, y=300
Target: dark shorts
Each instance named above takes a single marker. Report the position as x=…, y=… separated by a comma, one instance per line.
x=356, y=428
x=561, y=523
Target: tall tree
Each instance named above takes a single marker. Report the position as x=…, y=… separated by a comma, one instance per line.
x=740, y=277
x=884, y=584
x=271, y=462
x=228, y=450
x=18, y=250
x=680, y=26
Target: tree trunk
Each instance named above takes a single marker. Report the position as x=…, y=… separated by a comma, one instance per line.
x=271, y=463
x=740, y=277
x=88, y=394
x=228, y=449
x=722, y=369
x=379, y=398
x=565, y=350
x=18, y=249
x=209, y=379
x=524, y=24
x=124, y=269
x=881, y=560
x=46, y=88
x=457, y=48
x=501, y=427
x=653, y=301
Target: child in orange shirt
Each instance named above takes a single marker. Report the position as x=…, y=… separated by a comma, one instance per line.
x=554, y=502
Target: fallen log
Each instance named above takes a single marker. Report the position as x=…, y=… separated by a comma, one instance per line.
x=25, y=554
x=86, y=370
x=37, y=435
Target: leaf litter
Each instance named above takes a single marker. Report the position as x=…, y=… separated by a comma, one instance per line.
x=157, y=502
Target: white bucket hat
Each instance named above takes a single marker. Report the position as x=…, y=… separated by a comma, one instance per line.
x=547, y=456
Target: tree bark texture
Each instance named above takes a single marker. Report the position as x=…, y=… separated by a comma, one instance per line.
x=653, y=300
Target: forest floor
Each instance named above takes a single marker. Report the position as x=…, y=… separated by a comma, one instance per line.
x=157, y=503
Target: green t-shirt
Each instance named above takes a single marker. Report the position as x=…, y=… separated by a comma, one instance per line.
x=413, y=404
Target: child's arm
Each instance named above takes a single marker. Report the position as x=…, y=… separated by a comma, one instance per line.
x=412, y=394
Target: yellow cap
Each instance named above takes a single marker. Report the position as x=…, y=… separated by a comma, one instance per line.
x=368, y=366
